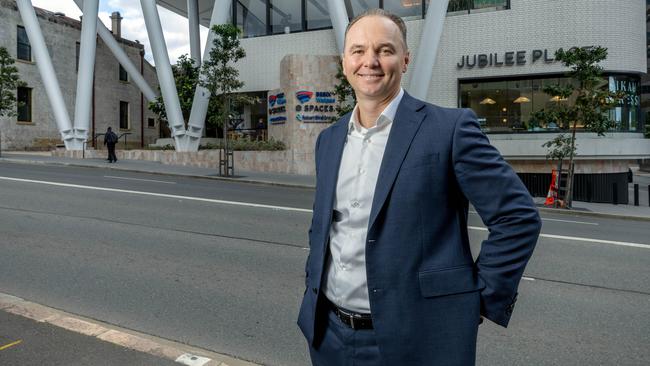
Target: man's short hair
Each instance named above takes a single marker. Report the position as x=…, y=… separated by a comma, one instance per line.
x=382, y=13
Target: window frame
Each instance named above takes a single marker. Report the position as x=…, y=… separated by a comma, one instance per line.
x=19, y=44
x=128, y=115
x=29, y=105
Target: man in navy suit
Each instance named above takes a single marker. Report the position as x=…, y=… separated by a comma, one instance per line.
x=390, y=279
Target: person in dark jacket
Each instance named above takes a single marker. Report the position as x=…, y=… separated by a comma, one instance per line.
x=110, y=139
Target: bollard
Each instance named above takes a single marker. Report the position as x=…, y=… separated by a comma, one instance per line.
x=636, y=194
x=615, y=194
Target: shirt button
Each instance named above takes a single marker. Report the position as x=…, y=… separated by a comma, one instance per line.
x=361, y=171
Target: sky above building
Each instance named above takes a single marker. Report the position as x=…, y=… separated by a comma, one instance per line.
x=175, y=27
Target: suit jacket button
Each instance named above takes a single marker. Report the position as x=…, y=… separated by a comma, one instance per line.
x=314, y=290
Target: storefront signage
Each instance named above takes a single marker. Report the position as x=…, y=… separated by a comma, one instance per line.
x=512, y=58
x=315, y=107
x=277, y=108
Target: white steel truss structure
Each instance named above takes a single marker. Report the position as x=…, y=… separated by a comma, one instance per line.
x=75, y=134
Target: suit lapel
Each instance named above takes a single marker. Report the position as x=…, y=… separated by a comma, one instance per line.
x=406, y=123
x=330, y=169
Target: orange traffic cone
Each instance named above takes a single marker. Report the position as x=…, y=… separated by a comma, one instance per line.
x=552, y=190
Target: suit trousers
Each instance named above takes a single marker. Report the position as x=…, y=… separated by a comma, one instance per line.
x=344, y=346
x=111, y=152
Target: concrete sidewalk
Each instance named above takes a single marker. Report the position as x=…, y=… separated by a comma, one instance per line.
x=292, y=180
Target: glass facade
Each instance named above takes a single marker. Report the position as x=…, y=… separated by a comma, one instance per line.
x=506, y=105
x=258, y=18
x=469, y=6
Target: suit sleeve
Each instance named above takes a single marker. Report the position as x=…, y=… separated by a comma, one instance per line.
x=316, y=160
x=506, y=208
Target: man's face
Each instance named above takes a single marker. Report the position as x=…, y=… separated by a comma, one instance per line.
x=374, y=58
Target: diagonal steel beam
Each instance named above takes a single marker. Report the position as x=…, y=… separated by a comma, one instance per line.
x=220, y=15
x=122, y=58
x=425, y=58
x=86, y=70
x=45, y=68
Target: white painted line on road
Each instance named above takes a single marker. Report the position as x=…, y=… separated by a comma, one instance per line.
x=174, y=196
x=142, y=180
x=576, y=238
x=571, y=221
x=559, y=220
x=528, y=278
x=192, y=360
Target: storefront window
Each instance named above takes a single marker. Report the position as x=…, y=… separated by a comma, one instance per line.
x=626, y=114
x=506, y=106
x=317, y=16
x=407, y=9
x=250, y=17
x=356, y=7
x=286, y=16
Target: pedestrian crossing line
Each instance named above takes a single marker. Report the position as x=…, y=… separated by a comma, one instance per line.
x=2, y=348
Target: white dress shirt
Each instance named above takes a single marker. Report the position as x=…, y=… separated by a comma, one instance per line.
x=346, y=283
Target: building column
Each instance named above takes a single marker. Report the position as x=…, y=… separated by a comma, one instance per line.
x=164, y=72
x=339, y=17
x=425, y=57
x=45, y=68
x=220, y=15
x=86, y=69
x=195, y=35
x=122, y=58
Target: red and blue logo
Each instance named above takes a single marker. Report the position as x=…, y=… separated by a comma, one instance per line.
x=304, y=96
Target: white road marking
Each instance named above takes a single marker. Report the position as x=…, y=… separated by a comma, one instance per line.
x=576, y=238
x=558, y=220
x=174, y=196
x=293, y=209
x=571, y=221
x=192, y=360
x=143, y=180
x=528, y=278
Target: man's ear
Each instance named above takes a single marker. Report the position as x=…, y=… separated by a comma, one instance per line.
x=407, y=59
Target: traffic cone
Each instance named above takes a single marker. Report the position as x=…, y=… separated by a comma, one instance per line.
x=552, y=190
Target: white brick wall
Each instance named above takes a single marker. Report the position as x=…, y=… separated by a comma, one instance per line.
x=618, y=25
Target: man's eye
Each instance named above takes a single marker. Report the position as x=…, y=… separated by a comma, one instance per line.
x=357, y=52
x=387, y=51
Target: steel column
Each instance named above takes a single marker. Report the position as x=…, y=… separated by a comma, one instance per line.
x=339, y=17
x=45, y=68
x=220, y=15
x=86, y=70
x=195, y=35
x=425, y=57
x=164, y=71
x=122, y=58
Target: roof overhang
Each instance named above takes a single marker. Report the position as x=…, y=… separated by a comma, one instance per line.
x=180, y=7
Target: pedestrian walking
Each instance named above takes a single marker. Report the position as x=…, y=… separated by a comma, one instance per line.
x=390, y=277
x=110, y=139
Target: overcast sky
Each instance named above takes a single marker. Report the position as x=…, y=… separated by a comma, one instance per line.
x=175, y=27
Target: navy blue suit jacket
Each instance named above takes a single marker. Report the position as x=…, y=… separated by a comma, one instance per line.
x=426, y=291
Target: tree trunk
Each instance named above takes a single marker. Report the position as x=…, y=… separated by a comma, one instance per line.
x=569, y=188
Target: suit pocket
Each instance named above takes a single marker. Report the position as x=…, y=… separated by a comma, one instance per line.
x=448, y=281
x=420, y=160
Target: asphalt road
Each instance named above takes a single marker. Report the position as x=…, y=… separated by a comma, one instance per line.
x=140, y=254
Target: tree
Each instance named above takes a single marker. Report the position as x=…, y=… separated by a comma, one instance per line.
x=9, y=82
x=186, y=76
x=593, y=100
x=345, y=97
x=220, y=77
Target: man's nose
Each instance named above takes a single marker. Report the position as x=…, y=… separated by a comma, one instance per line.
x=371, y=59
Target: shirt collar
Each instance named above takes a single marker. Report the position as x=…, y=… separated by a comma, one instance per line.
x=385, y=118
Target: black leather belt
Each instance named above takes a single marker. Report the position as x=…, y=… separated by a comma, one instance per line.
x=352, y=319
